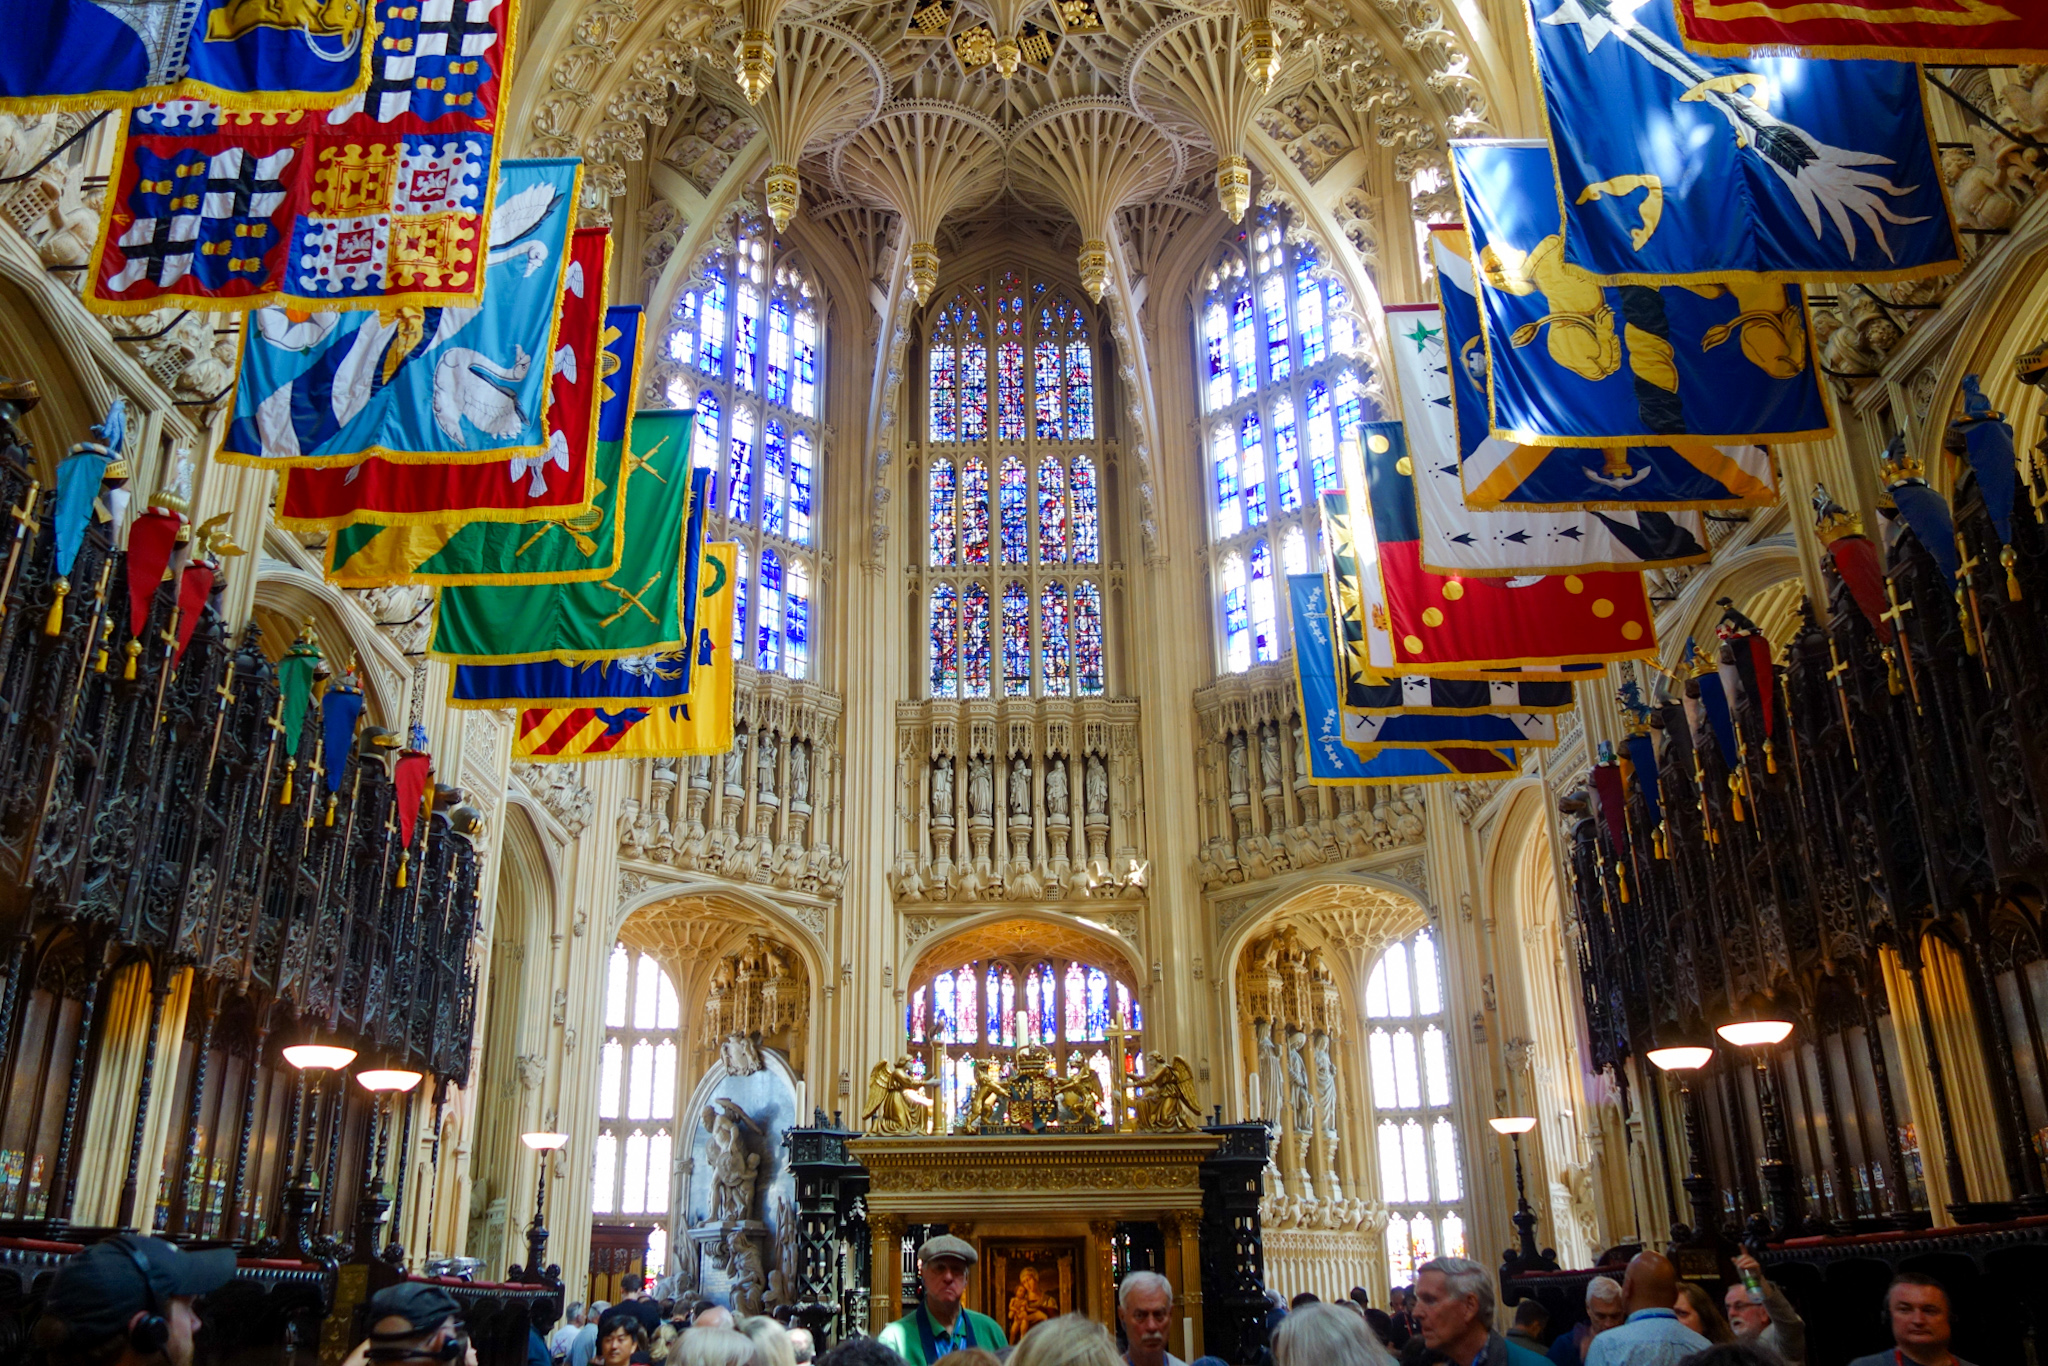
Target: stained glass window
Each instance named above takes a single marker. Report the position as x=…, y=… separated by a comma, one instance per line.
x=1016, y=508
x=1054, y=643
x=1016, y=640
x=1035, y=512
x=768, y=619
x=744, y=343
x=796, y=618
x=945, y=643
x=1002, y=991
x=1408, y=1074
x=1276, y=374
x=944, y=550
x=1077, y=1004
x=974, y=643
x=1045, y=1011
x=636, y=1097
x=1088, y=676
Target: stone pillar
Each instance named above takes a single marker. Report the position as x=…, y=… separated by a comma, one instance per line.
x=885, y=1271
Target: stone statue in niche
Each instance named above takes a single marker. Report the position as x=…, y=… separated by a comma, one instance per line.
x=1301, y=774
x=1056, y=788
x=1097, y=779
x=735, y=769
x=700, y=770
x=740, y=1054
x=1020, y=788
x=1272, y=1072
x=981, y=788
x=734, y=1169
x=1238, y=775
x=764, y=765
x=799, y=772
x=1326, y=1084
x=1269, y=757
x=1301, y=1106
x=942, y=790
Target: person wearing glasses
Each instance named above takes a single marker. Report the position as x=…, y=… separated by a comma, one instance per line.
x=414, y=1324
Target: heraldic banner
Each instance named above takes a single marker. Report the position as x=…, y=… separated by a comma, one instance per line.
x=1457, y=539
x=1571, y=362
x=1938, y=32
x=1507, y=474
x=1676, y=166
x=699, y=723
x=1330, y=761
x=416, y=385
x=638, y=609
x=632, y=680
x=250, y=54
x=380, y=202
x=555, y=483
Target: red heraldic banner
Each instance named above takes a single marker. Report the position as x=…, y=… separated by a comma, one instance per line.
x=382, y=202
x=1934, y=31
x=555, y=484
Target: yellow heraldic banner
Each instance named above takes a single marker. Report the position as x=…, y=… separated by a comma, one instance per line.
x=698, y=723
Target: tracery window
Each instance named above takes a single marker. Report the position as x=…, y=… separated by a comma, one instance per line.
x=1420, y=1148
x=749, y=334
x=987, y=1007
x=1013, y=488
x=636, y=1089
x=1279, y=393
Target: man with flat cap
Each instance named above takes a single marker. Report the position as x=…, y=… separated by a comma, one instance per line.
x=940, y=1323
x=414, y=1324
x=128, y=1301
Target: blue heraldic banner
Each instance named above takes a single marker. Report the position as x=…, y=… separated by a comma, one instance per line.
x=616, y=682
x=440, y=384
x=245, y=54
x=1573, y=362
x=1674, y=166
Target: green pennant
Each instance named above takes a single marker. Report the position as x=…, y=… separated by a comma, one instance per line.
x=295, y=684
x=634, y=607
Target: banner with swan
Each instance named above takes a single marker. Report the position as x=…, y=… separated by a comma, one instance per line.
x=442, y=384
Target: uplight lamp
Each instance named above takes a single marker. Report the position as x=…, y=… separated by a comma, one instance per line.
x=1756, y=1033
x=309, y=1057
x=1686, y=1058
x=1513, y=1124
x=388, y=1079
x=544, y=1142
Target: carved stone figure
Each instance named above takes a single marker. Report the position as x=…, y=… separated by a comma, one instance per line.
x=740, y=1054
x=734, y=1170
x=1301, y=1107
x=799, y=772
x=981, y=789
x=898, y=1103
x=764, y=765
x=1097, y=780
x=749, y=1277
x=1272, y=1071
x=942, y=790
x=1301, y=774
x=1326, y=1084
x=1238, y=763
x=735, y=769
x=1167, y=1099
x=1056, y=788
x=1020, y=788
x=1269, y=757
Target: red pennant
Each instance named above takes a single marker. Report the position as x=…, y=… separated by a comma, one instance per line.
x=1607, y=786
x=150, y=542
x=1856, y=561
x=410, y=779
x=1766, y=681
x=193, y=588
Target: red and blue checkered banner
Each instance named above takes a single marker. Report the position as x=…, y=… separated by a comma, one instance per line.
x=381, y=202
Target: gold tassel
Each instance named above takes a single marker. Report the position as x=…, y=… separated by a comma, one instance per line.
x=1621, y=880
x=134, y=652
x=401, y=868
x=99, y=663
x=1735, y=796
x=2012, y=579
x=1969, y=632
x=53, y=625
x=330, y=808
x=285, y=798
x=1770, y=759
x=1661, y=841
x=1892, y=680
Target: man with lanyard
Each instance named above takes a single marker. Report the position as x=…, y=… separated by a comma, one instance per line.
x=1453, y=1299
x=940, y=1323
x=1916, y=1310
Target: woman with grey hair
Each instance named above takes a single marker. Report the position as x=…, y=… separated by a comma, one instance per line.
x=715, y=1347
x=1325, y=1335
x=772, y=1346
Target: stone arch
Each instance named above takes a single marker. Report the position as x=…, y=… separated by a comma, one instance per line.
x=1741, y=576
x=974, y=935
x=286, y=595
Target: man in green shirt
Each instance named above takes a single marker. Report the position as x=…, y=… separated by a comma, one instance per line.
x=940, y=1323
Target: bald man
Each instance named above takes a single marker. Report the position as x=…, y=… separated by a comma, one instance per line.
x=1652, y=1335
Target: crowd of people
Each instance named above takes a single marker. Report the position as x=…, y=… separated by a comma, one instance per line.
x=129, y=1301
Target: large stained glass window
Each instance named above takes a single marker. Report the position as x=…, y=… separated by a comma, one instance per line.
x=1409, y=1076
x=1277, y=379
x=1018, y=486
x=637, y=1065
x=743, y=347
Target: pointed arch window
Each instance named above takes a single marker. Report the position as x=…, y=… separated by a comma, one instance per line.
x=636, y=1095
x=744, y=345
x=1275, y=374
x=1012, y=481
x=1408, y=1071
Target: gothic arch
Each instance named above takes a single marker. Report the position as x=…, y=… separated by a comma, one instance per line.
x=286, y=595
x=978, y=935
x=1739, y=576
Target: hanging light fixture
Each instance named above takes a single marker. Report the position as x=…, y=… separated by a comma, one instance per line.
x=318, y=1057
x=388, y=1079
x=1756, y=1033
x=1681, y=1057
